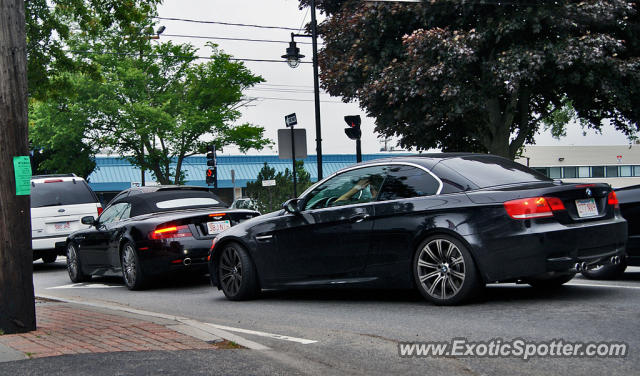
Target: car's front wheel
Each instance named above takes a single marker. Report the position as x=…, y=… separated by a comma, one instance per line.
x=445, y=272
x=237, y=273
x=74, y=265
x=132, y=273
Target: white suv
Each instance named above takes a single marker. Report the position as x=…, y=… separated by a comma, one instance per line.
x=58, y=202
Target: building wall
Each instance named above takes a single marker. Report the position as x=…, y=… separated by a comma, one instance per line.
x=618, y=165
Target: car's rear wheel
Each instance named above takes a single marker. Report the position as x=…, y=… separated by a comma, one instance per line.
x=74, y=265
x=547, y=283
x=606, y=271
x=237, y=273
x=444, y=271
x=49, y=258
x=132, y=273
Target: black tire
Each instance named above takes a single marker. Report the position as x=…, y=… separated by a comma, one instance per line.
x=549, y=283
x=49, y=258
x=444, y=271
x=606, y=271
x=132, y=273
x=237, y=274
x=74, y=265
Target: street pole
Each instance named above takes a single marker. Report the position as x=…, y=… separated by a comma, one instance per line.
x=316, y=87
x=293, y=157
x=17, y=304
x=358, y=151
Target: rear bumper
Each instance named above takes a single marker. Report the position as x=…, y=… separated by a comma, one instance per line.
x=162, y=257
x=549, y=247
x=48, y=243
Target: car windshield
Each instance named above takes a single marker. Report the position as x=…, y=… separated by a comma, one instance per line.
x=60, y=193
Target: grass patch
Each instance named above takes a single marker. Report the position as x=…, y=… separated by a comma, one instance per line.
x=228, y=345
x=29, y=354
x=1, y=332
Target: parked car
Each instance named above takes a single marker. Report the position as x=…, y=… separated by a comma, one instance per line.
x=58, y=202
x=160, y=230
x=629, y=198
x=444, y=223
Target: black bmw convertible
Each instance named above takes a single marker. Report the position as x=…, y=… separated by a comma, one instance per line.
x=445, y=223
x=150, y=231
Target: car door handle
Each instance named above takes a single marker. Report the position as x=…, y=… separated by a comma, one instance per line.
x=359, y=218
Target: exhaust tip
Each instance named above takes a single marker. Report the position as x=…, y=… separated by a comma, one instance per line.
x=187, y=261
x=578, y=267
x=584, y=266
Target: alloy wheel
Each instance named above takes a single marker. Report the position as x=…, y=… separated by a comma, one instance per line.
x=231, y=271
x=129, y=265
x=441, y=269
x=72, y=261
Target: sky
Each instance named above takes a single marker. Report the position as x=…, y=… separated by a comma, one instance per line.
x=288, y=90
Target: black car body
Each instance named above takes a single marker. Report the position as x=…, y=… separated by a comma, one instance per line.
x=504, y=221
x=153, y=232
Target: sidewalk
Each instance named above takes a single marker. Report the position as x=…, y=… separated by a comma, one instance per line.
x=67, y=328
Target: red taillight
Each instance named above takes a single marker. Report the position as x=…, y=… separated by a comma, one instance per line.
x=534, y=207
x=100, y=210
x=171, y=232
x=53, y=181
x=612, y=199
x=217, y=214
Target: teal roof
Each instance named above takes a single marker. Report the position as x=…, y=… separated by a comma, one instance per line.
x=116, y=174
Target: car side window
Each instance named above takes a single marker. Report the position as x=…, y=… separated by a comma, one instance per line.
x=114, y=212
x=406, y=182
x=351, y=187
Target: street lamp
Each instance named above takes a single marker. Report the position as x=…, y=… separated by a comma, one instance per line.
x=293, y=54
x=293, y=59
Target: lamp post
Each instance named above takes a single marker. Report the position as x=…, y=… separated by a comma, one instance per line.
x=293, y=59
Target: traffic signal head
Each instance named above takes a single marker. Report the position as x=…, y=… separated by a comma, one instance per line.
x=211, y=155
x=211, y=173
x=353, y=132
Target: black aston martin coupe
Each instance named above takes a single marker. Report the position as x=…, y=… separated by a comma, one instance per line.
x=444, y=223
x=149, y=232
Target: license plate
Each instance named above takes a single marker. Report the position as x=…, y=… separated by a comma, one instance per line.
x=218, y=226
x=586, y=207
x=62, y=226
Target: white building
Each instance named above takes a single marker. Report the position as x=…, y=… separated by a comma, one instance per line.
x=618, y=165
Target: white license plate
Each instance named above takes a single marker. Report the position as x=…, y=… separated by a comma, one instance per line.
x=586, y=207
x=218, y=226
x=62, y=226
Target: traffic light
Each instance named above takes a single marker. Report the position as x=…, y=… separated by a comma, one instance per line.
x=353, y=132
x=211, y=155
x=212, y=171
x=210, y=176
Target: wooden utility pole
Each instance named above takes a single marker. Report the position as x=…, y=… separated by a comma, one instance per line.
x=17, y=306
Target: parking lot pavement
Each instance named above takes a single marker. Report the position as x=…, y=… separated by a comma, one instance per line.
x=65, y=328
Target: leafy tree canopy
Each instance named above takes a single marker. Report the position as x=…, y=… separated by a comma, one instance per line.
x=484, y=75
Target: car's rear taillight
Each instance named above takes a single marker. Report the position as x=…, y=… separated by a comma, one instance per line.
x=171, y=232
x=100, y=210
x=612, y=199
x=533, y=207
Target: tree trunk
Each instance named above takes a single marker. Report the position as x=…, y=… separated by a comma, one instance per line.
x=17, y=306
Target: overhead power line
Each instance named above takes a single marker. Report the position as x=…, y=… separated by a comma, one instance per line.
x=157, y=55
x=228, y=38
x=225, y=23
x=292, y=99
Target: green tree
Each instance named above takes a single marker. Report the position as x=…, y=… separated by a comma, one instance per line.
x=484, y=75
x=270, y=199
x=157, y=108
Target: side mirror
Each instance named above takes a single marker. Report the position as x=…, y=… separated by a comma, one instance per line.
x=291, y=206
x=88, y=220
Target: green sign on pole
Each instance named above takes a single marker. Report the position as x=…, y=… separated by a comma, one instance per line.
x=22, y=169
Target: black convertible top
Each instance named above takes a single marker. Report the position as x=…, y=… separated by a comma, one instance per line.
x=146, y=203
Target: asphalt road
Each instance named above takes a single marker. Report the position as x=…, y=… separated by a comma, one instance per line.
x=358, y=331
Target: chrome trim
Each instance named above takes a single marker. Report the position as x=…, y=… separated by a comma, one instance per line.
x=264, y=237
